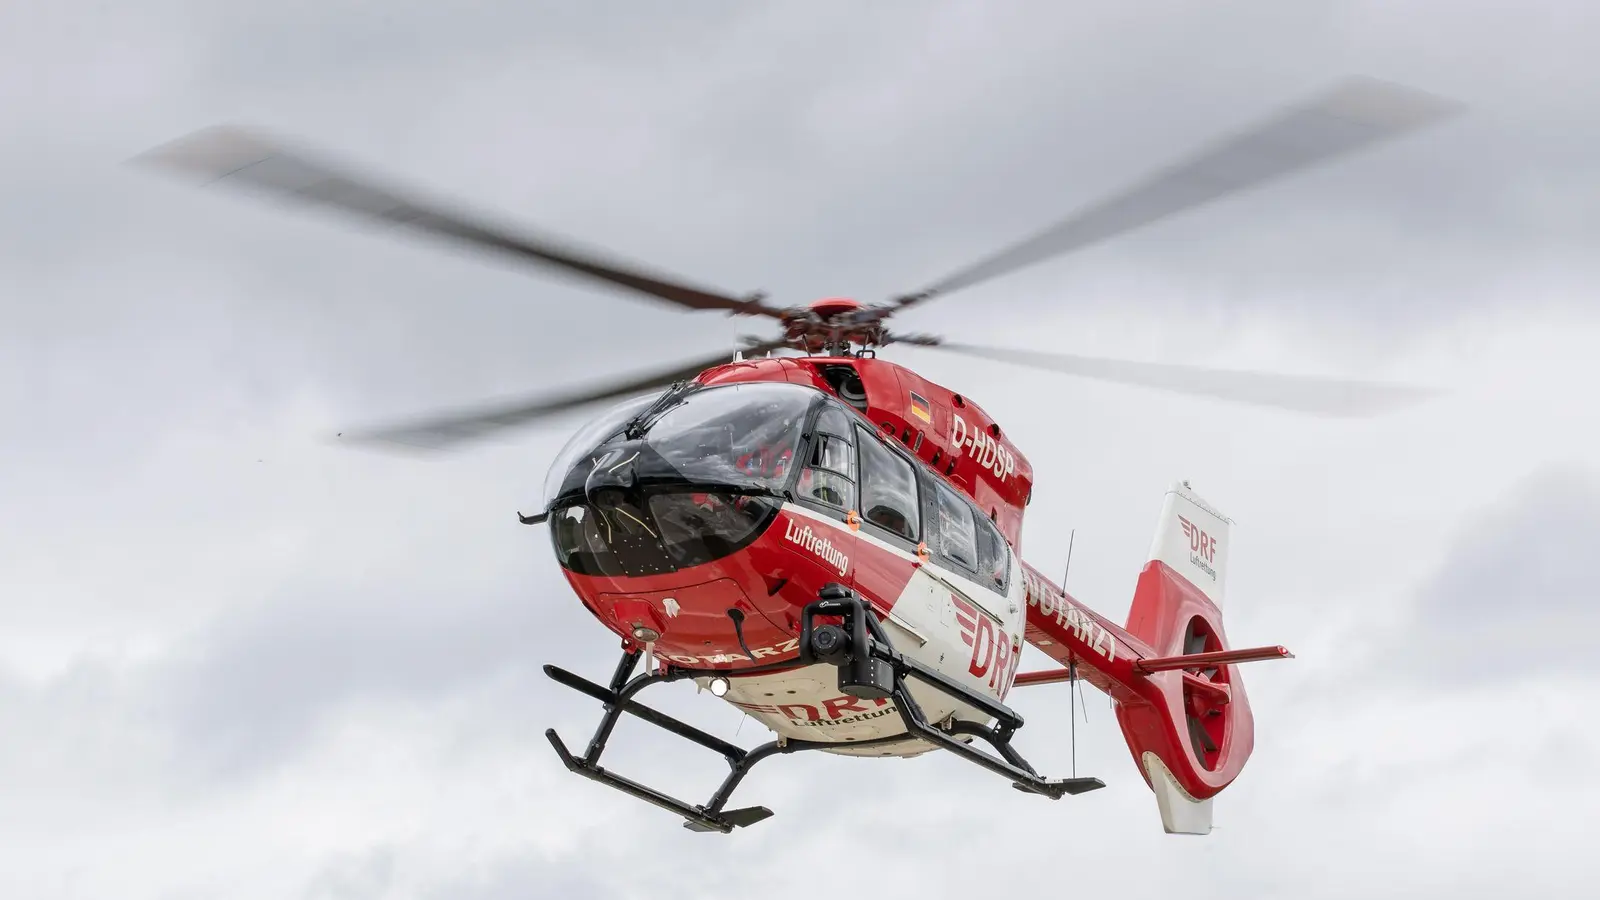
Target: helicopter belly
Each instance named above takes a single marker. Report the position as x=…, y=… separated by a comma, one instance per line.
x=934, y=621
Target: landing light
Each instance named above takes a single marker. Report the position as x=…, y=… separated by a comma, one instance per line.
x=719, y=686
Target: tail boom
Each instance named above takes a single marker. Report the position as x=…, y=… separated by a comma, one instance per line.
x=1069, y=632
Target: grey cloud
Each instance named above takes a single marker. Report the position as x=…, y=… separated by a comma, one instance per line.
x=365, y=876
x=245, y=699
x=536, y=877
x=1501, y=622
x=1515, y=595
x=1526, y=554
x=528, y=875
x=263, y=682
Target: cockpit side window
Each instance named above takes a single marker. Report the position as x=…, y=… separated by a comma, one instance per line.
x=994, y=560
x=829, y=476
x=958, y=542
x=832, y=420
x=889, y=499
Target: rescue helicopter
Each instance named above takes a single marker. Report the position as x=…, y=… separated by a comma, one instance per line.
x=831, y=542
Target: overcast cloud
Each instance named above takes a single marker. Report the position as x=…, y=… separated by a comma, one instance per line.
x=238, y=660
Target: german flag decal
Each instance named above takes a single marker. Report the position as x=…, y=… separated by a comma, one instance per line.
x=920, y=408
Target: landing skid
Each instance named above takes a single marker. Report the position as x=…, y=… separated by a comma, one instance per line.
x=618, y=699
x=869, y=667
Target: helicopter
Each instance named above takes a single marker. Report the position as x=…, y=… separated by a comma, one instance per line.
x=831, y=542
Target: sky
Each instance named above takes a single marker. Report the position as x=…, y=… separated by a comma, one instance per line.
x=237, y=659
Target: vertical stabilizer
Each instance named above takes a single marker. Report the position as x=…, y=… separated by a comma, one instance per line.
x=1195, y=731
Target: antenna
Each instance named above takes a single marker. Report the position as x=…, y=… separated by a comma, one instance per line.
x=1071, y=539
x=1072, y=664
x=1072, y=709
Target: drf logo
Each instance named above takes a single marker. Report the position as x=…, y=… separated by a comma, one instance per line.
x=1202, y=547
x=843, y=710
x=1200, y=544
x=992, y=654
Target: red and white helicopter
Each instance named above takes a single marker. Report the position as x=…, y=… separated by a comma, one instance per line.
x=831, y=543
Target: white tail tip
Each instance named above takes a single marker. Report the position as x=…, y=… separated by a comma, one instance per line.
x=1180, y=813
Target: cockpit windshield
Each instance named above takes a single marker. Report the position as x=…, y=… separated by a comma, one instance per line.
x=677, y=480
x=743, y=435
x=738, y=436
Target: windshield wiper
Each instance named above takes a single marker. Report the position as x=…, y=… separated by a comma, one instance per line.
x=641, y=423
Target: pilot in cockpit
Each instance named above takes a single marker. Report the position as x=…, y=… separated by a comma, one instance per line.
x=766, y=461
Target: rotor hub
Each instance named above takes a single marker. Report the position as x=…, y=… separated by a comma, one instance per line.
x=834, y=325
x=830, y=307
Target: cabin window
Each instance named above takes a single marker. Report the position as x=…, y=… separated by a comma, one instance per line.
x=958, y=541
x=888, y=488
x=829, y=476
x=994, y=561
x=833, y=420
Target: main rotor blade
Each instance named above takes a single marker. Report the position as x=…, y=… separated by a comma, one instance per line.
x=261, y=163
x=1300, y=393
x=1354, y=115
x=447, y=430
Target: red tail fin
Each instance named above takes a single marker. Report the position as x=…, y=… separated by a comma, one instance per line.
x=1195, y=732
